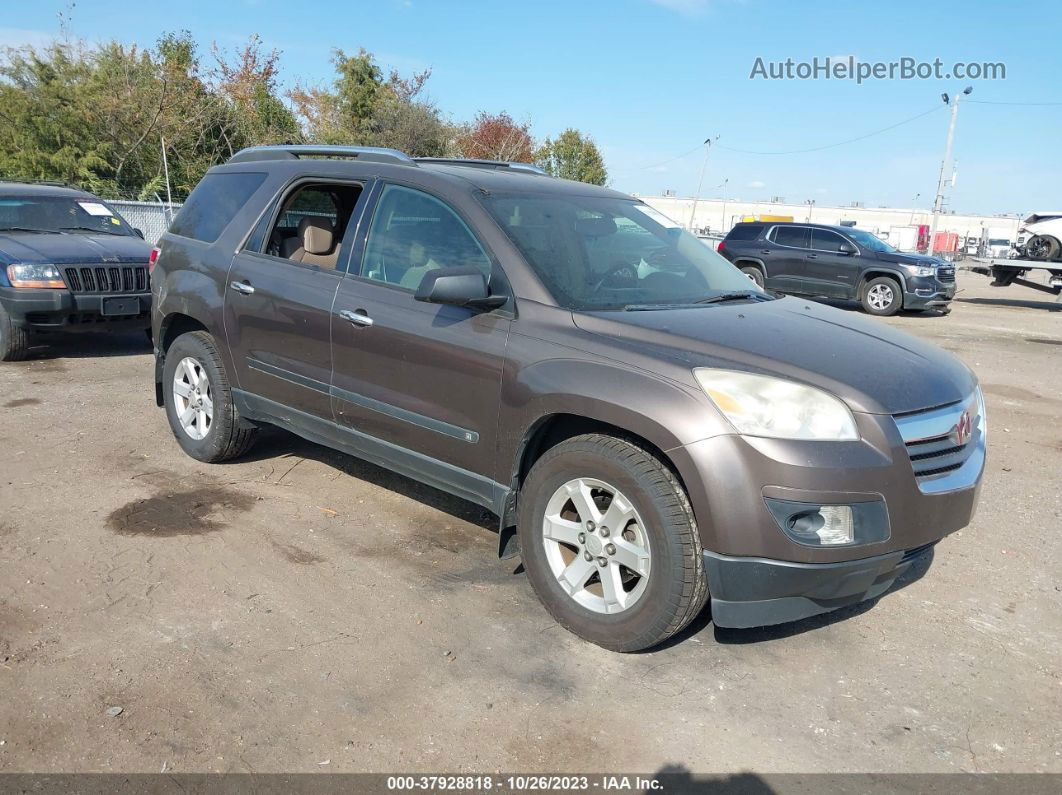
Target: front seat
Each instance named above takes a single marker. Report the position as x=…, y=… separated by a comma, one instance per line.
x=313, y=244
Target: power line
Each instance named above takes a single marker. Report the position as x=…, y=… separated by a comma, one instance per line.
x=1028, y=104
x=934, y=109
x=663, y=162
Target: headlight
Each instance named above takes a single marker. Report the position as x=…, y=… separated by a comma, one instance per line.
x=38, y=276
x=760, y=405
x=922, y=270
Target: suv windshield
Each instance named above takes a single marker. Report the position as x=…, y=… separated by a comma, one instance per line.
x=868, y=241
x=59, y=214
x=596, y=252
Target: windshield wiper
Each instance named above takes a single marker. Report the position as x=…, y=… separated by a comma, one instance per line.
x=91, y=229
x=742, y=296
x=30, y=229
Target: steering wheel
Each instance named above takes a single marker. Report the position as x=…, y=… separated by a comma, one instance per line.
x=627, y=274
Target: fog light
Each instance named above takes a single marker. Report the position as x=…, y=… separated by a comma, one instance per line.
x=831, y=525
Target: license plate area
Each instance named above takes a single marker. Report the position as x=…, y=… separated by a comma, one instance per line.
x=120, y=306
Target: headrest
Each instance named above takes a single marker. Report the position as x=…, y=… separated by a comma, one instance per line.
x=595, y=227
x=316, y=234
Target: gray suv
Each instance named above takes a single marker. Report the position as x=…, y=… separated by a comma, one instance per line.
x=650, y=427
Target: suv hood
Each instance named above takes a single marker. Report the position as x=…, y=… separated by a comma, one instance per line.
x=907, y=259
x=871, y=366
x=75, y=247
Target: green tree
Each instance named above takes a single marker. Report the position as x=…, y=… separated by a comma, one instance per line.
x=573, y=156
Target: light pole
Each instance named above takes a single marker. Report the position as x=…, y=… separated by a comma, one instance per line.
x=811, y=208
x=938, y=204
x=722, y=225
x=700, y=183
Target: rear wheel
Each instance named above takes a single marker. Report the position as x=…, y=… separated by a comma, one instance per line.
x=199, y=403
x=882, y=296
x=14, y=340
x=754, y=273
x=610, y=544
x=1043, y=248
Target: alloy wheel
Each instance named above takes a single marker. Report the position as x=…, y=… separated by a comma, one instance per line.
x=192, y=398
x=596, y=545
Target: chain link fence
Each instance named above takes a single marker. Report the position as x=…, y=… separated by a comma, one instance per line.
x=151, y=218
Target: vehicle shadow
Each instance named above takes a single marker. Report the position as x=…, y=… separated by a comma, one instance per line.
x=1048, y=306
x=855, y=306
x=85, y=345
x=276, y=443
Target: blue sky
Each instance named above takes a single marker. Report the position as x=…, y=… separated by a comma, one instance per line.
x=651, y=79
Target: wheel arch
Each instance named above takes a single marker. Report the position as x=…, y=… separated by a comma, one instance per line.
x=171, y=327
x=874, y=272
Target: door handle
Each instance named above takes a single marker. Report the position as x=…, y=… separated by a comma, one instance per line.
x=242, y=287
x=766, y=251
x=358, y=318
x=813, y=256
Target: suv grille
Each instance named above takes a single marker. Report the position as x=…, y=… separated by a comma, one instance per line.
x=106, y=278
x=946, y=274
x=940, y=441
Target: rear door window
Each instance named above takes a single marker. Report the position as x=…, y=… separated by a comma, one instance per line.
x=792, y=236
x=214, y=203
x=745, y=232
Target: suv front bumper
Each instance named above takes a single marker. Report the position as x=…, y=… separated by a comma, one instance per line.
x=756, y=592
x=927, y=292
x=758, y=574
x=61, y=310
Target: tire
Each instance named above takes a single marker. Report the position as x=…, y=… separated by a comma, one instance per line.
x=882, y=296
x=754, y=273
x=216, y=432
x=14, y=340
x=1043, y=248
x=658, y=525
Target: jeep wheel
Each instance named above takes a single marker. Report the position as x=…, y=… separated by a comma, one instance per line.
x=610, y=544
x=755, y=274
x=882, y=297
x=14, y=340
x=198, y=400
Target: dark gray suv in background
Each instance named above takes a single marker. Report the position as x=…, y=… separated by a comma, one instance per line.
x=655, y=427
x=839, y=262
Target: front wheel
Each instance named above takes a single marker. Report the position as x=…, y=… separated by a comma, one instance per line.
x=198, y=400
x=610, y=544
x=14, y=341
x=882, y=297
x=754, y=274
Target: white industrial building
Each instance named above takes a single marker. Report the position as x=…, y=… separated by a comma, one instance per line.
x=718, y=215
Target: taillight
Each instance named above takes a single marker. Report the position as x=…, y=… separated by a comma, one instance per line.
x=153, y=258
x=721, y=246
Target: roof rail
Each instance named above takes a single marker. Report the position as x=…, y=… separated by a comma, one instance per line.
x=50, y=183
x=470, y=163
x=375, y=154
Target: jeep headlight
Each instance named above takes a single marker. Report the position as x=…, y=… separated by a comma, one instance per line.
x=35, y=276
x=760, y=405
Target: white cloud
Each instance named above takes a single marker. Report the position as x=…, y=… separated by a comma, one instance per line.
x=757, y=184
x=822, y=190
x=21, y=37
x=688, y=8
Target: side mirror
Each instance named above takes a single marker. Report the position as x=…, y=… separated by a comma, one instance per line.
x=466, y=286
x=138, y=232
x=847, y=248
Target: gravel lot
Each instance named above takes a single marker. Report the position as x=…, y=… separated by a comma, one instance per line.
x=304, y=611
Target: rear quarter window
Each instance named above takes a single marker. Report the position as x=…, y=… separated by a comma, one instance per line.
x=745, y=232
x=214, y=203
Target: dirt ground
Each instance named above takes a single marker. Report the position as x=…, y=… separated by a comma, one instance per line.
x=303, y=611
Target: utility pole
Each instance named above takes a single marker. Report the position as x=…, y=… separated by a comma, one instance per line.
x=700, y=184
x=938, y=205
